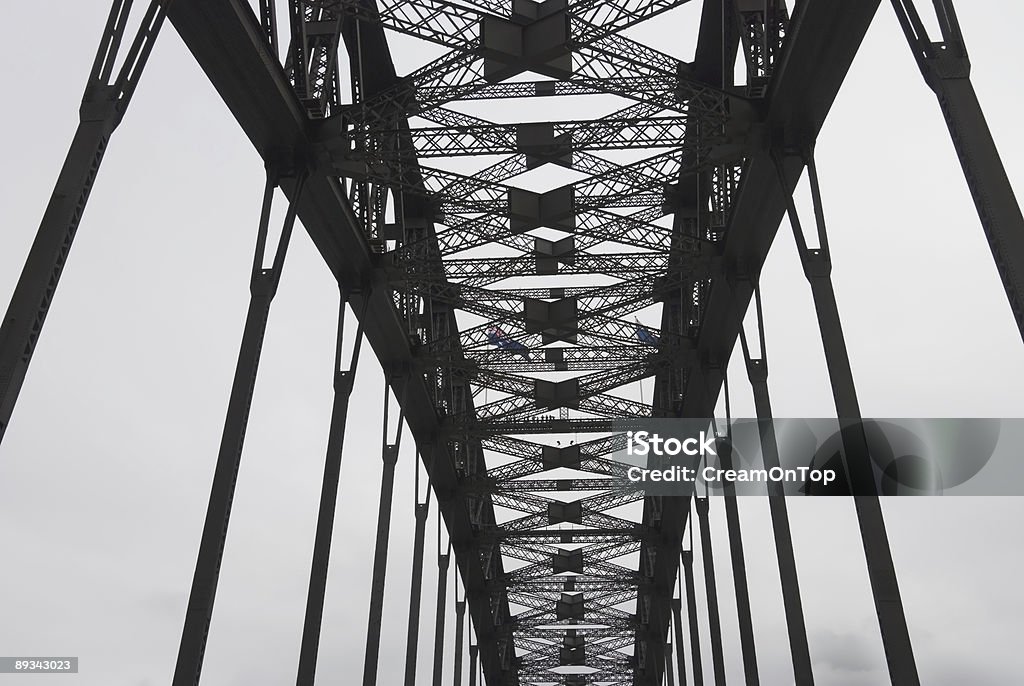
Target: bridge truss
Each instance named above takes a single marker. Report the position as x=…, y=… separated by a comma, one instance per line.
x=508, y=320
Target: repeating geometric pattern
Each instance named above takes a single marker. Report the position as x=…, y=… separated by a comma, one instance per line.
x=525, y=306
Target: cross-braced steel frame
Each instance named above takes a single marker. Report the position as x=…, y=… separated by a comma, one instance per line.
x=507, y=320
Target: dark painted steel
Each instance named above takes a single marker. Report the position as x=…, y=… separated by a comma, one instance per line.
x=677, y=625
x=714, y=55
x=227, y=43
x=947, y=68
x=268, y=18
x=344, y=378
x=212, y=31
x=739, y=570
x=892, y=621
x=691, y=611
x=389, y=455
x=460, y=625
x=326, y=214
x=823, y=38
x=439, y=616
x=415, y=592
x=263, y=286
x=103, y=107
x=796, y=628
x=711, y=589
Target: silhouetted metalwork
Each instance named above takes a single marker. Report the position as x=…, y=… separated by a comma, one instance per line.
x=262, y=286
x=580, y=590
x=108, y=93
x=946, y=68
x=344, y=378
x=757, y=372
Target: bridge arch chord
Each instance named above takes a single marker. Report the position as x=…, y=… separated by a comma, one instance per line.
x=519, y=280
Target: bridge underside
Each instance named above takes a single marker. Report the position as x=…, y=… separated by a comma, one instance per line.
x=518, y=324
x=548, y=232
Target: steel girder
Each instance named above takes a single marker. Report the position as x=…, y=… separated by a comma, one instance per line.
x=373, y=143
x=346, y=223
x=822, y=39
x=230, y=45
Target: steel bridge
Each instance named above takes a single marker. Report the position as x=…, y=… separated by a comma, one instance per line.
x=507, y=320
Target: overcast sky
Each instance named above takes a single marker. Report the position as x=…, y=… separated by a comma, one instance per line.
x=106, y=467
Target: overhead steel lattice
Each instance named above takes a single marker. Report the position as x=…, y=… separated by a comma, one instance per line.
x=524, y=306
x=519, y=275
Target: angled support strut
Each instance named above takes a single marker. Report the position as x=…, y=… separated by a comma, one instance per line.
x=460, y=626
x=739, y=565
x=757, y=373
x=263, y=286
x=817, y=265
x=946, y=68
x=439, y=617
x=416, y=585
x=708, y=563
x=391, y=441
x=669, y=679
x=677, y=624
x=691, y=612
x=105, y=101
x=344, y=378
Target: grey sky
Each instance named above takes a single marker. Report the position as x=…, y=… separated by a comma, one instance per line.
x=106, y=467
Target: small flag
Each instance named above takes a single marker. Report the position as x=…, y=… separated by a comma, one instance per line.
x=645, y=336
x=499, y=338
